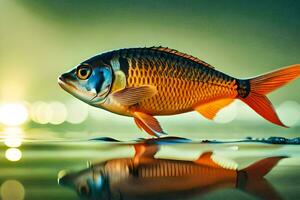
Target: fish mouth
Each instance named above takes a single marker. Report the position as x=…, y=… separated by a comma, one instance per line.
x=64, y=84
x=73, y=90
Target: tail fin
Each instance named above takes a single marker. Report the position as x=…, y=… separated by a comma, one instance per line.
x=262, y=167
x=251, y=179
x=264, y=84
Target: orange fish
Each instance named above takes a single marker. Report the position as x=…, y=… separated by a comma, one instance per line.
x=147, y=177
x=144, y=82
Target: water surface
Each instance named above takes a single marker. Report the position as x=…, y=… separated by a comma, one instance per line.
x=35, y=174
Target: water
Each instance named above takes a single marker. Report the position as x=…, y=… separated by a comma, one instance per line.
x=35, y=174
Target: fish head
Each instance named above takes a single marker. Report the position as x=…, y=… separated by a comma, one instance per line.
x=89, y=183
x=90, y=82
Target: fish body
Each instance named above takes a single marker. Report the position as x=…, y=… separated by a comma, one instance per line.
x=146, y=82
x=146, y=177
x=182, y=83
x=162, y=175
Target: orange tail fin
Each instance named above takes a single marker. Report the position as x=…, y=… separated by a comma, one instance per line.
x=261, y=168
x=264, y=84
x=251, y=179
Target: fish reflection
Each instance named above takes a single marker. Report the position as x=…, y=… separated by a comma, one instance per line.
x=146, y=177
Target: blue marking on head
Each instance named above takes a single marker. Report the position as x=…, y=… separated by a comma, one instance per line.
x=97, y=186
x=100, y=79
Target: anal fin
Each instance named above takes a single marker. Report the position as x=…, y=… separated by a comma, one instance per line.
x=206, y=159
x=209, y=110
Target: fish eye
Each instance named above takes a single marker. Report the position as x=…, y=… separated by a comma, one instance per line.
x=84, y=71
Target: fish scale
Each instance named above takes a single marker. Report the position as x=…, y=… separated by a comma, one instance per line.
x=175, y=169
x=179, y=88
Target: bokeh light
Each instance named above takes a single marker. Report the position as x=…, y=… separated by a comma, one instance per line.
x=98, y=114
x=58, y=112
x=245, y=113
x=12, y=190
x=13, y=154
x=77, y=111
x=41, y=112
x=13, y=136
x=226, y=114
x=289, y=113
x=13, y=141
x=13, y=114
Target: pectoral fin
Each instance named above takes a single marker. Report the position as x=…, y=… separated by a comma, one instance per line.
x=138, y=123
x=148, y=123
x=133, y=95
x=209, y=110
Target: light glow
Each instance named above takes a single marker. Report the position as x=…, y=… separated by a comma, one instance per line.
x=41, y=112
x=13, y=114
x=289, y=113
x=77, y=112
x=13, y=141
x=59, y=113
x=12, y=190
x=13, y=154
x=13, y=136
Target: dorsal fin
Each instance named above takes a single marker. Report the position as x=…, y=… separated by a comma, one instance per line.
x=183, y=55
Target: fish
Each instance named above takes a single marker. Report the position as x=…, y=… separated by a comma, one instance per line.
x=145, y=177
x=154, y=81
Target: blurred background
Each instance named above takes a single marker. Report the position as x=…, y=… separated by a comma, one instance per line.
x=40, y=39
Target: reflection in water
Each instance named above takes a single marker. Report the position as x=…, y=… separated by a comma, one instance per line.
x=13, y=154
x=13, y=141
x=13, y=138
x=147, y=177
x=12, y=190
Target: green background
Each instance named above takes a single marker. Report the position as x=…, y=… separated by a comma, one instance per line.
x=40, y=39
